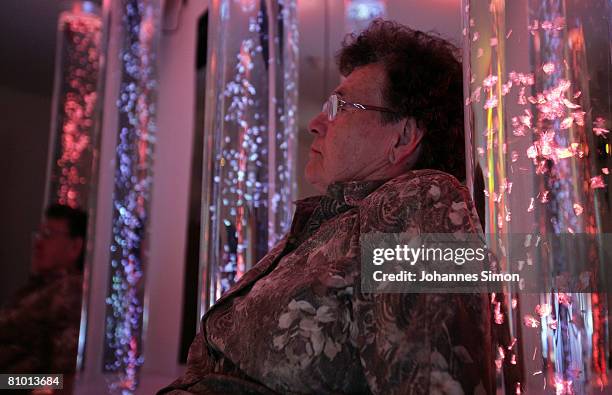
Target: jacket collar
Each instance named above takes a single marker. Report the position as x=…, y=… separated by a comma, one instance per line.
x=353, y=192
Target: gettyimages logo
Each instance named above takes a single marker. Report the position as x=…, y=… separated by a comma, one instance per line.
x=404, y=253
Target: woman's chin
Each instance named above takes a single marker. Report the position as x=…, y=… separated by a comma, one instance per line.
x=314, y=178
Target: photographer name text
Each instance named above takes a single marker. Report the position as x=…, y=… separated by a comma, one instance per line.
x=434, y=276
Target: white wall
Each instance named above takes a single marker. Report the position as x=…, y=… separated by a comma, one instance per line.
x=442, y=16
x=172, y=170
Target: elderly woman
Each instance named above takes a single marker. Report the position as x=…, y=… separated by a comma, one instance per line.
x=387, y=152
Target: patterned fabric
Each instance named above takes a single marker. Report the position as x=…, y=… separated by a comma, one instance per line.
x=39, y=327
x=298, y=323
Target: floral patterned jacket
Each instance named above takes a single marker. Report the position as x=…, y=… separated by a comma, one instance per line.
x=298, y=323
x=39, y=327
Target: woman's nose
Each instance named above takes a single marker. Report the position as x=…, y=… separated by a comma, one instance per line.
x=318, y=124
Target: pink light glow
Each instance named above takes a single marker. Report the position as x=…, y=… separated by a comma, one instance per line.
x=81, y=32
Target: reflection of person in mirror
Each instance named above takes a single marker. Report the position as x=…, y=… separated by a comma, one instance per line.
x=39, y=326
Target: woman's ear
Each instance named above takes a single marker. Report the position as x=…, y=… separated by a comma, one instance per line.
x=407, y=142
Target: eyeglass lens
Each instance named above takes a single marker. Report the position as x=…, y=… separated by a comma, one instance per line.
x=331, y=107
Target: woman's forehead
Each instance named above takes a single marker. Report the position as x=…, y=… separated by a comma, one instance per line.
x=364, y=83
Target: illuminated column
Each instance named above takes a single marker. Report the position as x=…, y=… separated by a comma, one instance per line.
x=359, y=13
x=250, y=156
x=75, y=98
x=538, y=99
x=136, y=129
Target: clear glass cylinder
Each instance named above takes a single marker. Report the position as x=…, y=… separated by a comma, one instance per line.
x=133, y=183
x=250, y=153
x=74, y=122
x=538, y=81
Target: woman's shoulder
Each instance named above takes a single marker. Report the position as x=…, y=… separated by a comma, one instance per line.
x=422, y=184
x=414, y=199
x=423, y=176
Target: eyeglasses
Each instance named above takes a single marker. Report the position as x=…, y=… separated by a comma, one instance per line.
x=334, y=103
x=46, y=234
